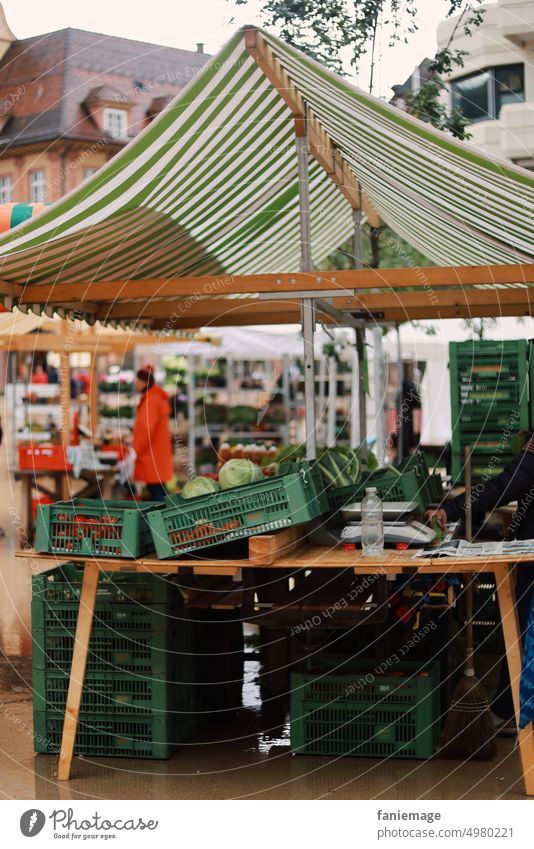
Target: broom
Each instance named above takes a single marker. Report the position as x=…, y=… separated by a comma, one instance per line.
x=469, y=732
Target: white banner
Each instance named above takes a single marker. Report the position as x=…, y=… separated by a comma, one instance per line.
x=269, y=824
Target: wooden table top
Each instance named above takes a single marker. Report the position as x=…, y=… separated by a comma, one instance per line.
x=304, y=557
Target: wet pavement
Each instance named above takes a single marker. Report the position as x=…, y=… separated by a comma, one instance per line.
x=244, y=756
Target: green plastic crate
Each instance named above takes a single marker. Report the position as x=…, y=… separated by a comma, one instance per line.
x=196, y=523
x=136, y=603
x=358, y=713
x=491, y=390
x=116, y=693
x=403, y=487
x=101, y=735
x=96, y=527
x=154, y=652
x=64, y=585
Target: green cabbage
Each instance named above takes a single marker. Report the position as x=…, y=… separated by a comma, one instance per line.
x=199, y=486
x=238, y=473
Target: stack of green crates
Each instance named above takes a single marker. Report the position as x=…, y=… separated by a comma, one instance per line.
x=139, y=694
x=349, y=708
x=491, y=400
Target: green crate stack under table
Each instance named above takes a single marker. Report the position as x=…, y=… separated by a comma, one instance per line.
x=491, y=399
x=348, y=709
x=140, y=693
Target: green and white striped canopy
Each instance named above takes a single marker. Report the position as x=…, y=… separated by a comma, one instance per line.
x=210, y=187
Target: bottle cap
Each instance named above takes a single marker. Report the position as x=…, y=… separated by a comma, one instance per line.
x=349, y=546
x=371, y=490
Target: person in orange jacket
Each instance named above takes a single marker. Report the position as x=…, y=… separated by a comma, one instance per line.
x=152, y=435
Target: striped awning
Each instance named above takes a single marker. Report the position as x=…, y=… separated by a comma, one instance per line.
x=210, y=188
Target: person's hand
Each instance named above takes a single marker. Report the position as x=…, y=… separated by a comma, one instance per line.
x=439, y=515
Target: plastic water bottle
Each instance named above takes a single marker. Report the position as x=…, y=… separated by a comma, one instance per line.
x=372, y=525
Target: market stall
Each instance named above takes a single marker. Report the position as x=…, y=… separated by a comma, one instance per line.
x=462, y=208
x=43, y=466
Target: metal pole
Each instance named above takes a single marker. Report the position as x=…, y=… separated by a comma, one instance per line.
x=379, y=393
x=286, y=394
x=357, y=238
x=360, y=347
x=14, y=407
x=306, y=264
x=354, y=396
x=400, y=411
x=191, y=415
x=321, y=402
x=362, y=397
x=332, y=394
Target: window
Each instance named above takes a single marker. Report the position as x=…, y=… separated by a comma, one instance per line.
x=471, y=95
x=88, y=172
x=6, y=188
x=37, y=187
x=116, y=123
x=480, y=96
x=509, y=85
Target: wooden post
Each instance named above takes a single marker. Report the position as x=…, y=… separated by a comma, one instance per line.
x=512, y=642
x=77, y=671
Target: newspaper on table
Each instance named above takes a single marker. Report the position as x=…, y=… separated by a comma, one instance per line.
x=462, y=548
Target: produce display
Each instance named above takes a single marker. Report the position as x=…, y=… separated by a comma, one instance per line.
x=239, y=473
x=199, y=486
x=339, y=467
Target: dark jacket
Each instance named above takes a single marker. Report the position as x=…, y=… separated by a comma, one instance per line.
x=515, y=483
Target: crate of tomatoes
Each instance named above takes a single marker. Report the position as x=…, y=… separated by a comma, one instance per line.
x=103, y=528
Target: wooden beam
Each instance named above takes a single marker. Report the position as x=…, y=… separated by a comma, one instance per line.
x=12, y=290
x=367, y=278
x=104, y=343
x=292, y=316
x=212, y=308
x=322, y=148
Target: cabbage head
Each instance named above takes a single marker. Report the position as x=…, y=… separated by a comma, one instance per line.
x=199, y=486
x=238, y=473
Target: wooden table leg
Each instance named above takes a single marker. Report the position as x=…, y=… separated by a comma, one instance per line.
x=26, y=533
x=77, y=671
x=64, y=486
x=512, y=641
x=107, y=485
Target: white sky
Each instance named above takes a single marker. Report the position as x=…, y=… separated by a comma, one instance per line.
x=181, y=23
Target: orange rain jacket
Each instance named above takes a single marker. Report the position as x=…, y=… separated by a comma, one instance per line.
x=152, y=437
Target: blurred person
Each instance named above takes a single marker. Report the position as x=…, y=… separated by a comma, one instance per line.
x=39, y=375
x=152, y=436
x=392, y=447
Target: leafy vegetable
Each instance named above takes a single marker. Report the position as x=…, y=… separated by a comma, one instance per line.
x=239, y=473
x=199, y=486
